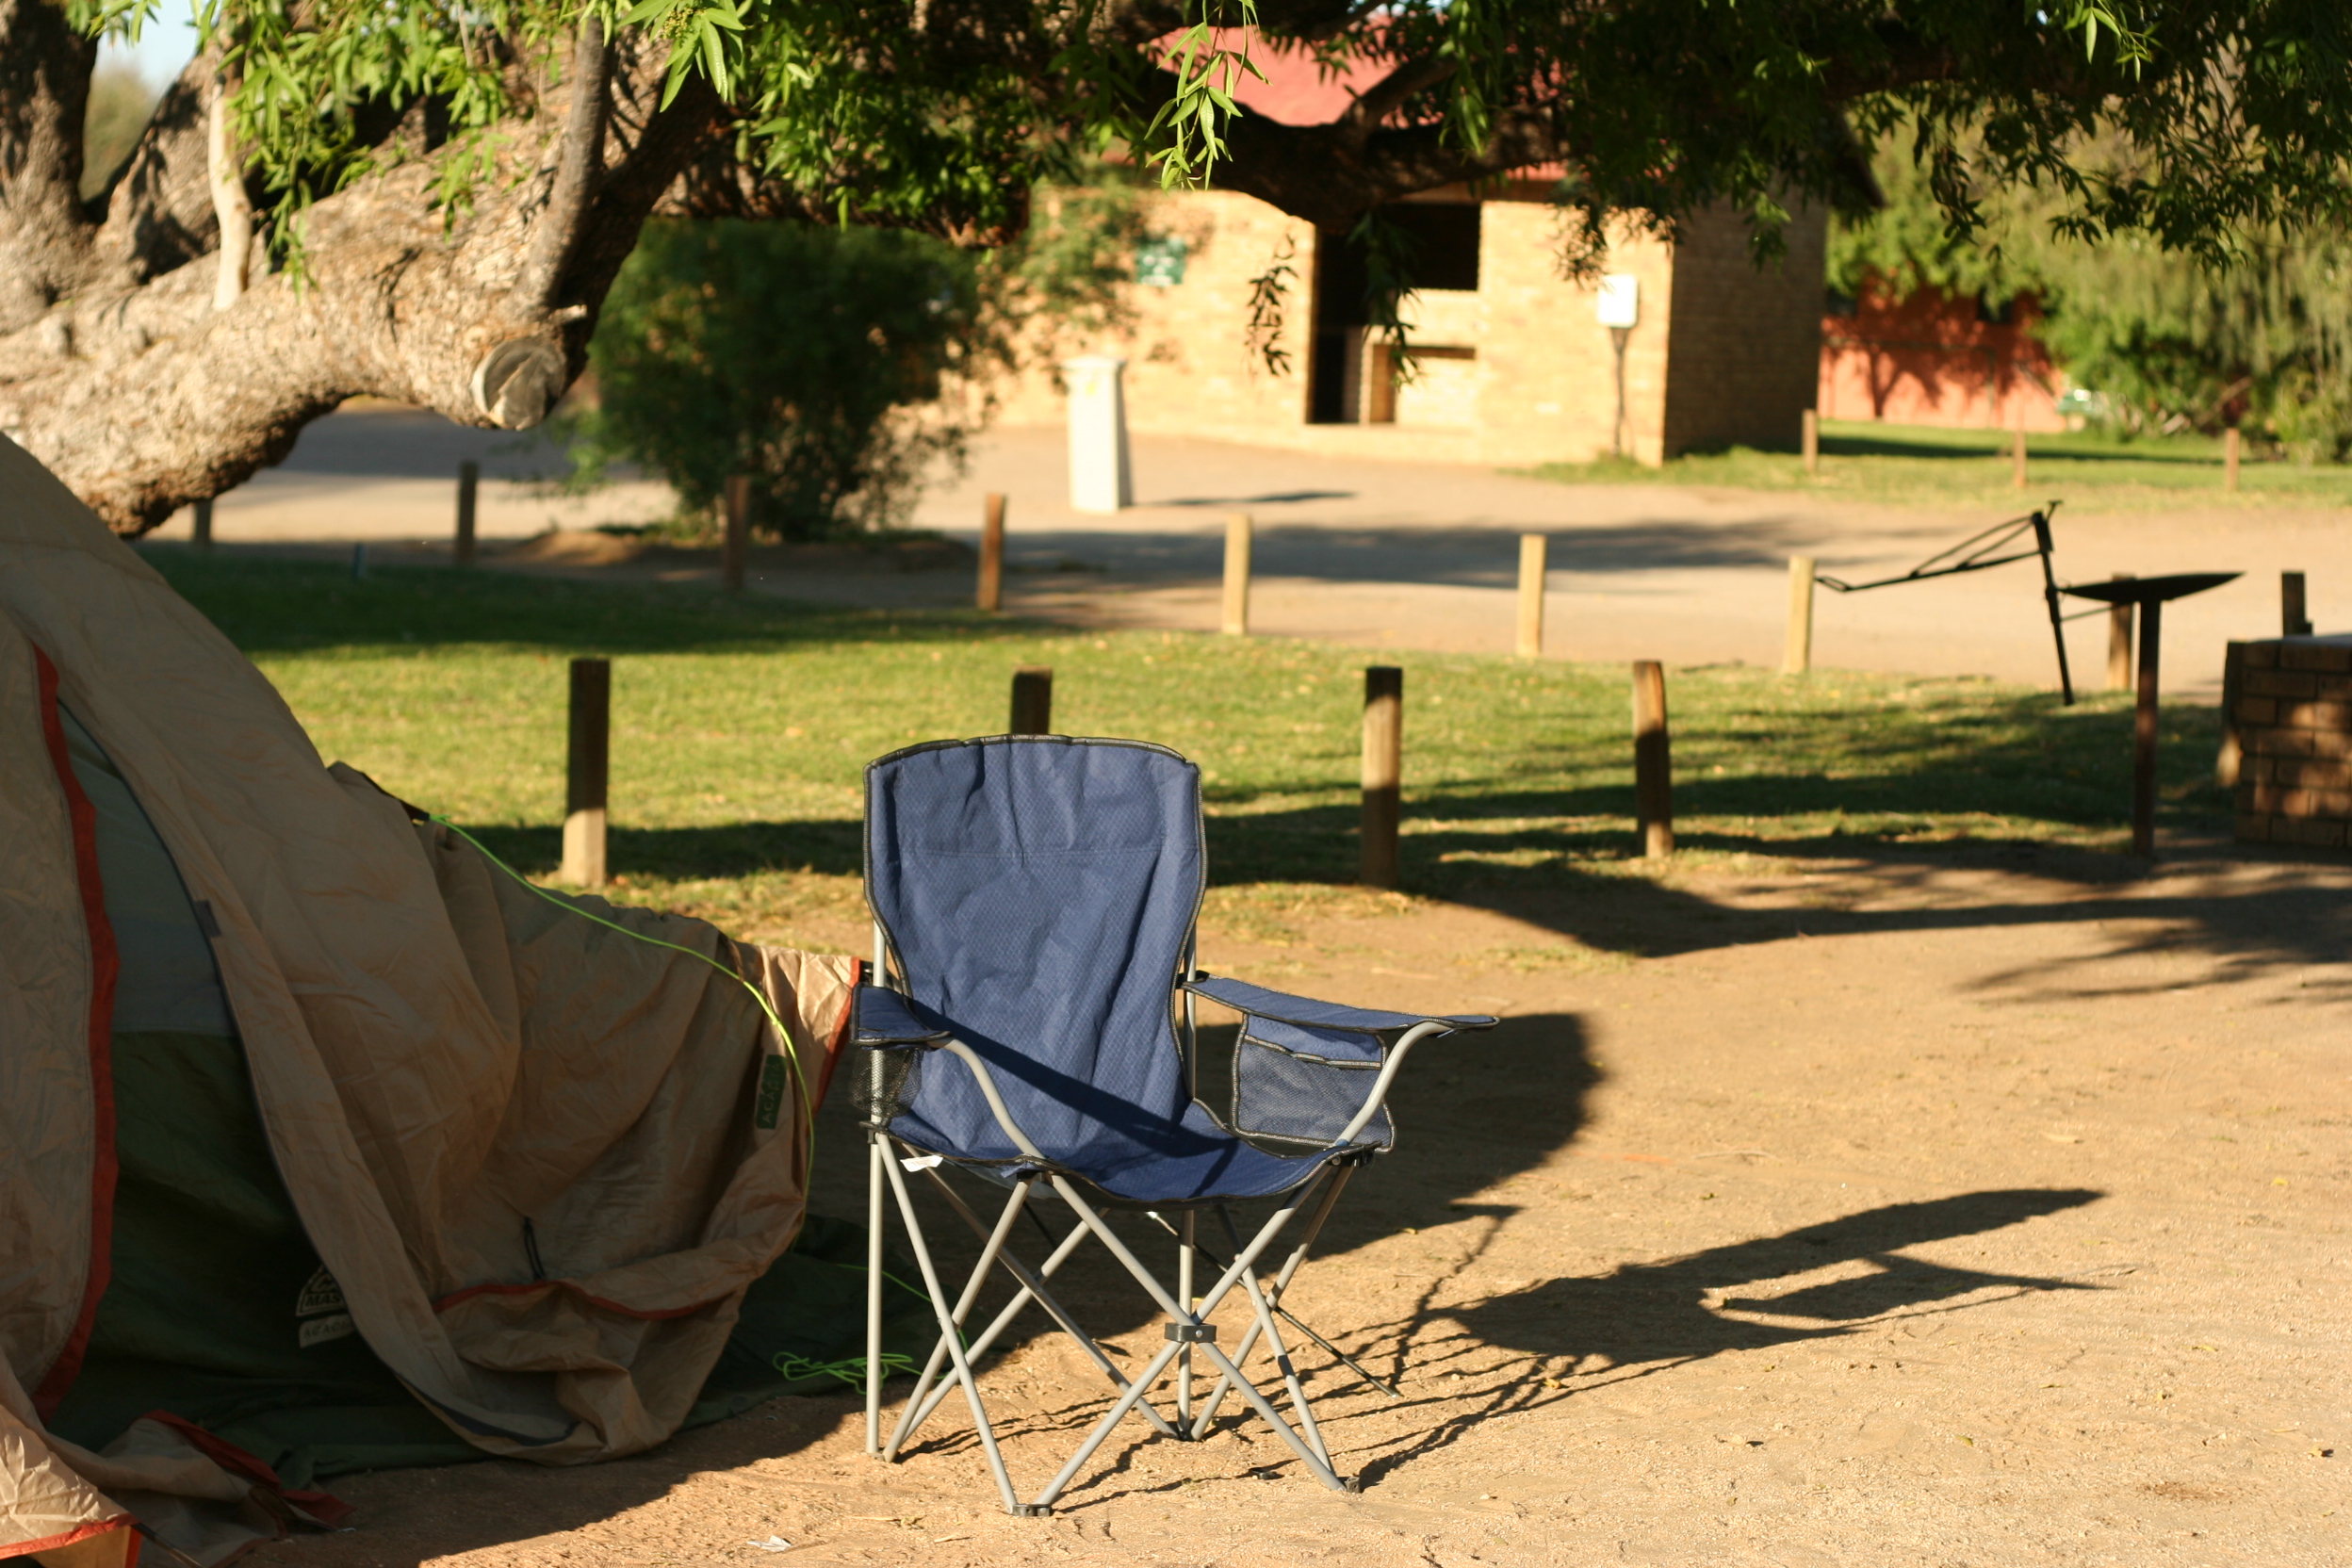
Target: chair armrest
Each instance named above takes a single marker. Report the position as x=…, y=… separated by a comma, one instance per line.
x=1310, y=1014
x=882, y=1018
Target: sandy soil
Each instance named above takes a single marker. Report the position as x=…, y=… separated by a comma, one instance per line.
x=1970, y=1206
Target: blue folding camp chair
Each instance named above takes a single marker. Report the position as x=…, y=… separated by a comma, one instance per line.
x=1034, y=900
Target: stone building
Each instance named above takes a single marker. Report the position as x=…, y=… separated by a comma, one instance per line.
x=1510, y=363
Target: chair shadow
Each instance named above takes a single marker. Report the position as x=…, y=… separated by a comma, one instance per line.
x=1583, y=1333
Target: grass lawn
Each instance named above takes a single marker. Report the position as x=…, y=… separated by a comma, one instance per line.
x=1927, y=466
x=740, y=727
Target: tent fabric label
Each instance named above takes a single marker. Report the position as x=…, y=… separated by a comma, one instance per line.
x=771, y=1100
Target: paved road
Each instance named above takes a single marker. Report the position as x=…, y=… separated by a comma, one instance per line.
x=1406, y=554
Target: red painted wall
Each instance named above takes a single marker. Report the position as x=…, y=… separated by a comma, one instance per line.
x=1932, y=359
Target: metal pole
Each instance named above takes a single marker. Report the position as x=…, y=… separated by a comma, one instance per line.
x=1653, y=764
x=2119, y=642
x=1532, y=549
x=992, y=593
x=2050, y=598
x=1384, y=772
x=468, y=482
x=1236, y=621
x=2144, y=736
x=587, y=772
x=201, y=524
x=738, y=546
x=1617, y=337
x=1033, y=701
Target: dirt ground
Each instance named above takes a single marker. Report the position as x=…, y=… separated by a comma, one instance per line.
x=1973, y=1205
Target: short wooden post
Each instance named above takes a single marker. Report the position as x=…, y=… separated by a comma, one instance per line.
x=2293, y=620
x=468, y=482
x=2017, y=454
x=1235, y=618
x=1032, y=701
x=588, y=770
x=1531, y=574
x=1812, y=439
x=1653, y=764
x=2229, y=460
x=1798, y=656
x=1384, y=772
x=2226, y=761
x=202, y=525
x=738, y=548
x=990, y=596
x=2119, y=642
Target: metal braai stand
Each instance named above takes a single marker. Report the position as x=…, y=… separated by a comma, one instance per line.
x=2149, y=594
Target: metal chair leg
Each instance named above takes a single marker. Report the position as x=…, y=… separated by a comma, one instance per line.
x=876, y=1155
x=948, y=1333
x=911, y=1417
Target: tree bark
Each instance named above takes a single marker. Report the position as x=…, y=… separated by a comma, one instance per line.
x=122, y=372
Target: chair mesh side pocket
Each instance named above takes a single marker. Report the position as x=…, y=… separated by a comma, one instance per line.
x=884, y=1084
x=1304, y=1086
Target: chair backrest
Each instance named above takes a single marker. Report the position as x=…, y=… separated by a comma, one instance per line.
x=1038, y=891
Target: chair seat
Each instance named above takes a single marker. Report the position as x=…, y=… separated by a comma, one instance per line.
x=1193, y=1163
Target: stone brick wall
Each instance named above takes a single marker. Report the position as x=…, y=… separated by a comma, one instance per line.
x=2288, y=739
x=1537, y=381
x=1743, y=359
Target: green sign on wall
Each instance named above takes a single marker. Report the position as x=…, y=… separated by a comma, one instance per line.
x=1160, y=263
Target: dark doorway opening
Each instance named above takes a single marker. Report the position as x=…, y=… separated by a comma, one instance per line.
x=1439, y=242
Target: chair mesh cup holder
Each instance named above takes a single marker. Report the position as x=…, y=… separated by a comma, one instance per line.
x=1302, y=1086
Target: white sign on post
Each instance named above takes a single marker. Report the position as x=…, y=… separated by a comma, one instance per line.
x=1100, y=476
x=1619, y=303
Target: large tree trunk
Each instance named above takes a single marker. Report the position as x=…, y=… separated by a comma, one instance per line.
x=144, y=380
x=150, y=365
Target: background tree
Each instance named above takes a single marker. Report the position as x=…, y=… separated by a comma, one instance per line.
x=2259, y=336
x=428, y=201
x=832, y=364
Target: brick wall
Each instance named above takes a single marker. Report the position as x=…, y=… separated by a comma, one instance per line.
x=1723, y=353
x=1743, y=355
x=2287, y=736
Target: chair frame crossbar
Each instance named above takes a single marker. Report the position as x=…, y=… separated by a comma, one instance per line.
x=1187, y=1309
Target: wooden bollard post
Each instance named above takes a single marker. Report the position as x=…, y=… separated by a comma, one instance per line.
x=2017, y=455
x=1235, y=621
x=1532, y=573
x=1812, y=443
x=2229, y=460
x=1653, y=762
x=1032, y=701
x=587, y=772
x=737, y=550
x=2293, y=620
x=990, y=596
x=1384, y=772
x=468, y=483
x=1798, y=656
x=201, y=525
x=2120, y=643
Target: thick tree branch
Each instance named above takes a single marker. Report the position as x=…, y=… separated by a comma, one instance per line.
x=581, y=161
x=44, y=90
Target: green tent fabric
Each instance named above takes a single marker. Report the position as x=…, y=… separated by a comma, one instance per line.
x=220, y=1311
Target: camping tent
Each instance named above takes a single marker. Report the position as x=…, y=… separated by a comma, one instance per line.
x=323, y=1142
